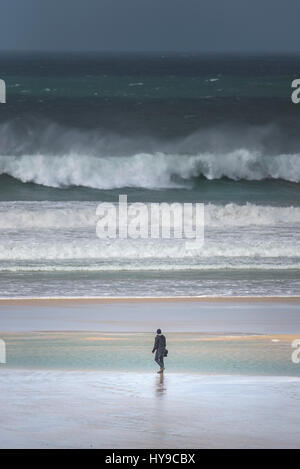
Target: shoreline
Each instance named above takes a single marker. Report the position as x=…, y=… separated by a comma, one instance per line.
x=39, y=301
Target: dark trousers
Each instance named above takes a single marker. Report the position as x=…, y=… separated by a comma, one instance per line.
x=159, y=358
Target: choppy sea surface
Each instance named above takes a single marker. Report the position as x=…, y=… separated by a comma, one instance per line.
x=78, y=130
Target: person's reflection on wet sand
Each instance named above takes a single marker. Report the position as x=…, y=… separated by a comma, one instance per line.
x=160, y=385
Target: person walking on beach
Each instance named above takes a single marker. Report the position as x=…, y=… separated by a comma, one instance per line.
x=160, y=348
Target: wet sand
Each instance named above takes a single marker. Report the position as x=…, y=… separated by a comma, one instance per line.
x=53, y=409
x=223, y=315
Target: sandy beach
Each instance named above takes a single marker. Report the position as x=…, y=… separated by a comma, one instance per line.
x=204, y=314
x=80, y=373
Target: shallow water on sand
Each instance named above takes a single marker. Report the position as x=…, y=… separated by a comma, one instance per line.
x=200, y=353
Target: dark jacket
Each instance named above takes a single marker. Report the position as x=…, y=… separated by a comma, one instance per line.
x=159, y=343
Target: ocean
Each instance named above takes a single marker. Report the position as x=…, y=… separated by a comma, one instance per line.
x=80, y=129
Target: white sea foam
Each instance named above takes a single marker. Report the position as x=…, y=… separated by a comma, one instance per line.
x=60, y=215
x=249, y=248
x=131, y=267
x=61, y=236
x=147, y=170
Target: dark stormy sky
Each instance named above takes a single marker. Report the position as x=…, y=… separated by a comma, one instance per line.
x=151, y=25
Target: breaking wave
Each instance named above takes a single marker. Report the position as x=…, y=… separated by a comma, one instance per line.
x=148, y=170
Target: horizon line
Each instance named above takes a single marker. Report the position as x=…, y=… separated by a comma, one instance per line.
x=154, y=51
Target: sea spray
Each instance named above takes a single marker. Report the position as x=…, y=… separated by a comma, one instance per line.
x=152, y=171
